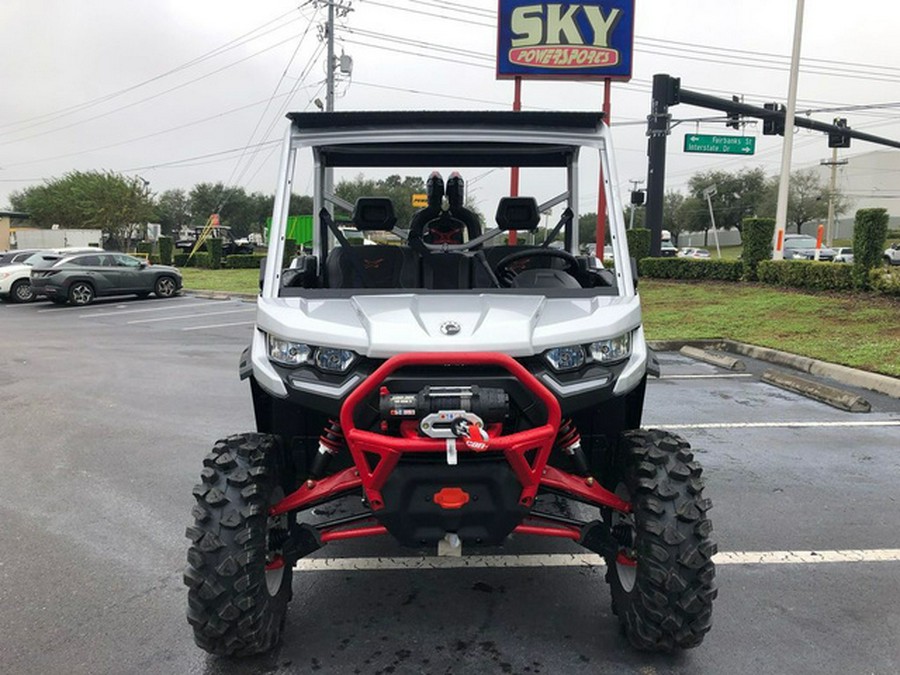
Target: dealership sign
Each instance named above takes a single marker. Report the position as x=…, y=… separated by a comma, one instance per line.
x=587, y=40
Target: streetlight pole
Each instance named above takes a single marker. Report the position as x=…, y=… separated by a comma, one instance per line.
x=788, y=144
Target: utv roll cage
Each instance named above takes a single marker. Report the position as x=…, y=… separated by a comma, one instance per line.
x=460, y=139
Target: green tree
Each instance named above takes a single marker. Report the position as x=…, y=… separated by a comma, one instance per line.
x=116, y=204
x=692, y=215
x=173, y=210
x=672, y=202
x=399, y=190
x=807, y=198
x=738, y=194
x=587, y=228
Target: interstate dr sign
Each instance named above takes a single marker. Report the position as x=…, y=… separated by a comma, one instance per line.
x=720, y=145
x=578, y=40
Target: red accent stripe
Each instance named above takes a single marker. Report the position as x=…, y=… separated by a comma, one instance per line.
x=356, y=533
x=541, y=531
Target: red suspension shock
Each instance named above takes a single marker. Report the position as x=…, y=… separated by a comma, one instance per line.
x=331, y=442
x=568, y=441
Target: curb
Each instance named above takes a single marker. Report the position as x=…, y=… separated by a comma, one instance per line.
x=220, y=295
x=882, y=384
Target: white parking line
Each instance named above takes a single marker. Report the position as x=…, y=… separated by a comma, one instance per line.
x=709, y=376
x=778, y=425
x=162, y=308
x=95, y=310
x=193, y=316
x=221, y=325
x=588, y=560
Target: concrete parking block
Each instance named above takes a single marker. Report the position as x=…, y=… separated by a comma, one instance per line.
x=720, y=360
x=833, y=396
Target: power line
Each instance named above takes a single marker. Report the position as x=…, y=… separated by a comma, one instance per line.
x=232, y=44
x=153, y=96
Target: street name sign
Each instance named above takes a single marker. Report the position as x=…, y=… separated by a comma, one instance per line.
x=720, y=145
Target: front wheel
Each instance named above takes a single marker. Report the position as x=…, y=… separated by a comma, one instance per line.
x=21, y=291
x=165, y=287
x=662, y=578
x=237, y=573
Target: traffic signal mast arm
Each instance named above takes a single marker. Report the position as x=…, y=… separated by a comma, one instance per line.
x=730, y=106
x=667, y=92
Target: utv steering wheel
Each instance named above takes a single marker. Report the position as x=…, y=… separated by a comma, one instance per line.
x=506, y=275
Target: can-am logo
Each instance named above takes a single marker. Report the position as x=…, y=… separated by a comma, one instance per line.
x=556, y=40
x=553, y=36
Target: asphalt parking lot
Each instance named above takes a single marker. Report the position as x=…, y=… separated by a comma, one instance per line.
x=108, y=410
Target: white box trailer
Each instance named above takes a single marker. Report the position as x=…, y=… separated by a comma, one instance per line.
x=32, y=237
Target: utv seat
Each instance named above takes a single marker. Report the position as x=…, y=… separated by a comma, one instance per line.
x=378, y=266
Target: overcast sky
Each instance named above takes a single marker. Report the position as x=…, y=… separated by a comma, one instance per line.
x=126, y=85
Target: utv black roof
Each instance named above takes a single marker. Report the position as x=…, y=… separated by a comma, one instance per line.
x=351, y=139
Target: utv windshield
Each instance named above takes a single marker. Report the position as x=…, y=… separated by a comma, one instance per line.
x=459, y=226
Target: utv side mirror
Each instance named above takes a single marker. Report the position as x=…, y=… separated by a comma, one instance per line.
x=634, y=270
x=262, y=271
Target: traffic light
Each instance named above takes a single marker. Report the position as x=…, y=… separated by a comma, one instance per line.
x=773, y=126
x=838, y=140
x=734, y=119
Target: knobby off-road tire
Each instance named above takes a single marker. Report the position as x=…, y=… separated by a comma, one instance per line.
x=235, y=604
x=664, y=601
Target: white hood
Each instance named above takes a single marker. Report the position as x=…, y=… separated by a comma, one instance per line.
x=381, y=326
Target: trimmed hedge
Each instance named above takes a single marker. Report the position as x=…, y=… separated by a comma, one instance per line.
x=154, y=259
x=690, y=268
x=166, y=249
x=638, y=242
x=145, y=247
x=818, y=276
x=885, y=281
x=199, y=259
x=869, y=234
x=243, y=261
x=214, y=248
x=757, y=235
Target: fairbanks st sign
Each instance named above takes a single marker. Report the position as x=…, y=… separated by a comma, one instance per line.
x=720, y=145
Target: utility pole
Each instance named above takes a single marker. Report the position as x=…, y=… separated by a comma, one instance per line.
x=329, y=64
x=336, y=8
x=834, y=164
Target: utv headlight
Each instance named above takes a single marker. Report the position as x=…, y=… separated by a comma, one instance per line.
x=612, y=350
x=287, y=353
x=565, y=358
x=333, y=360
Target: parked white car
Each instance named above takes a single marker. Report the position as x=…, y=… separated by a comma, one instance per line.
x=15, y=280
x=892, y=254
x=844, y=255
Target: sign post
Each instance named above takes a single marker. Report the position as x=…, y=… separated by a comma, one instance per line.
x=586, y=40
